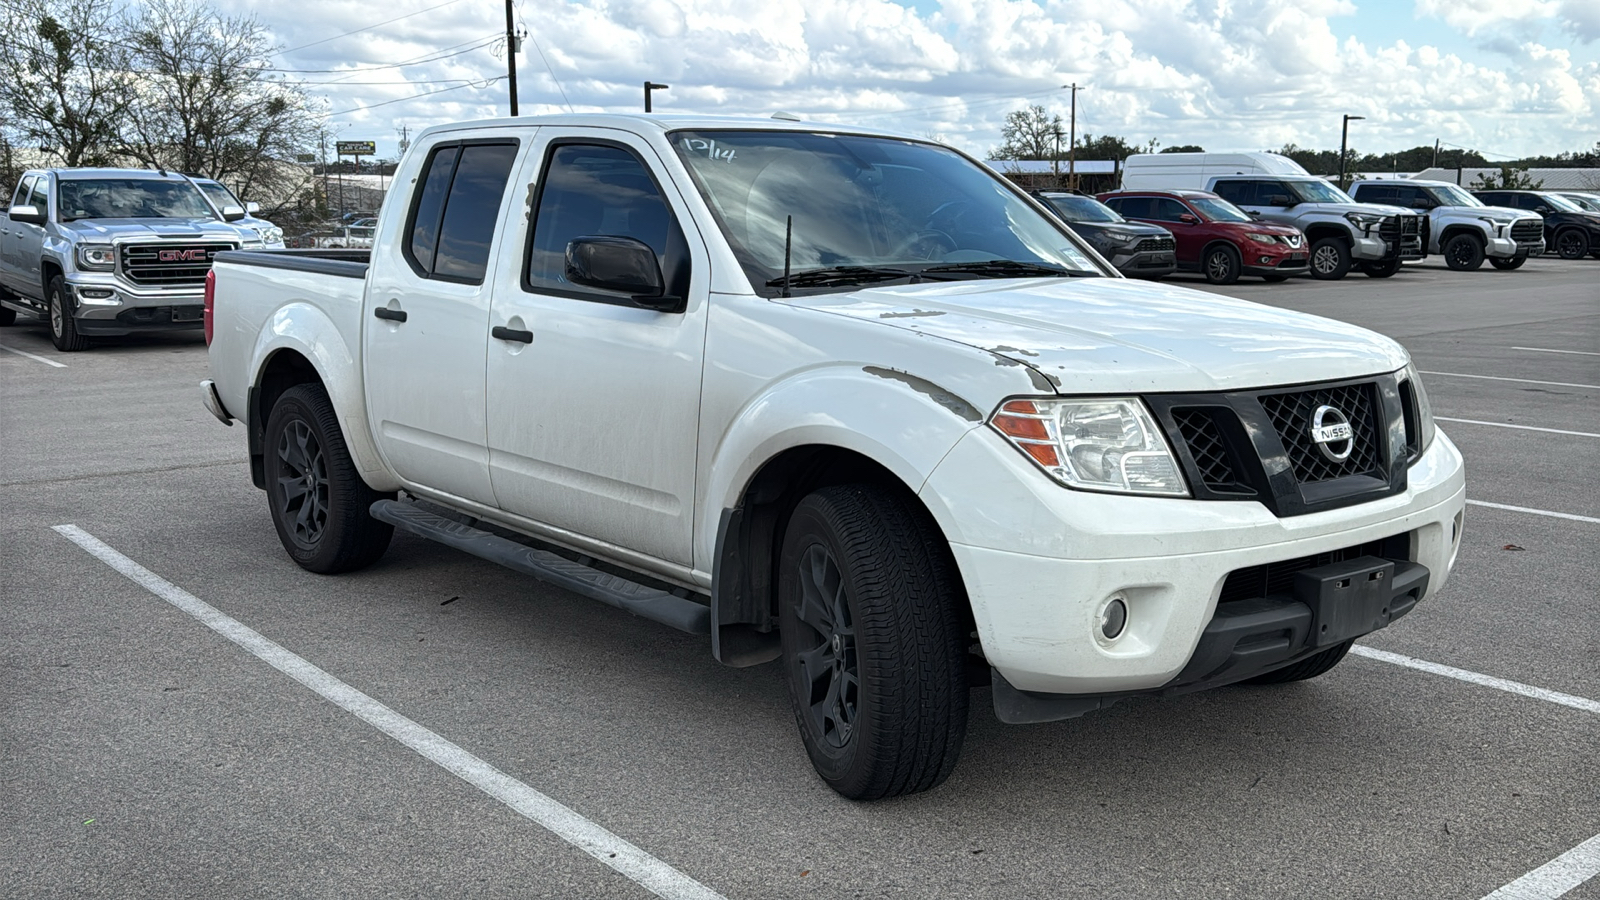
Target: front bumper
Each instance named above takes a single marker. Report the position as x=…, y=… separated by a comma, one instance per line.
x=1040, y=562
x=1506, y=248
x=1145, y=263
x=105, y=306
x=1376, y=248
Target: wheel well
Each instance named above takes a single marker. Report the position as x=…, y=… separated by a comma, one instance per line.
x=1318, y=232
x=745, y=578
x=284, y=370
x=1454, y=230
x=48, y=271
x=1219, y=242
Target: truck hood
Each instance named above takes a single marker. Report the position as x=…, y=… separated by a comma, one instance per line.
x=1112, y=335
x=143, y=229
x=1339, y=209
x=1499, y=212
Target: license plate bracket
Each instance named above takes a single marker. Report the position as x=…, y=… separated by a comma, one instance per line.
x=1347, y=599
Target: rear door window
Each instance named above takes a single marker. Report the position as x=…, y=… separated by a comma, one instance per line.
x=453, y=218
x=1168, y=210
x=20, y=198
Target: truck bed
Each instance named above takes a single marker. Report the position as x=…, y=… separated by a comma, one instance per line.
x=342, y=263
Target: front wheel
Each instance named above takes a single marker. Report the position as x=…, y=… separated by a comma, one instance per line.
x=1385, y=269
x=1464, y=253
x=873, y=646
x=1572, y=244
x=318, y=501
x=1507, y=263
x=63, y=328
x=1310, y=667
x=1330, y=259
x=1222, y=265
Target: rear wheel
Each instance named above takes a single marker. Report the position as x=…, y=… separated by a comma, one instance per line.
x=1507, y=263
x=1385, y=269
x=63, y=328
x=1222, y=265
x=1330, y=259
x=873, y=646
x=1572, y=244
x=1309, y=667
x=318, y=501
x=1464, y=253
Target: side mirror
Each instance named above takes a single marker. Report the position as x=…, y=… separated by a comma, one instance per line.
x=1254, y=214
x=33, y=215
x=1283, y=200
x=1423, y=203
x=1541, y=210
x=232, y=213
x=623, y=264
x=252, y=208
x=1188, y=219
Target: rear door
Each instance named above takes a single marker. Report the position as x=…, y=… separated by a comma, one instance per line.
x=1190, y=236
x=426, y=321
x=10, y=242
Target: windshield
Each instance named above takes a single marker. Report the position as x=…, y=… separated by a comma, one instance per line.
x=219, y=195
x=1450, y=195
x=131, y=198
x=1587, y=204
x=1318, y=192
x=866, y=210
x=1557, y=201
x=1219, y=210
x=1074, y=208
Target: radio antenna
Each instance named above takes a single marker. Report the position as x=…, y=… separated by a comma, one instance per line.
x=788, y=239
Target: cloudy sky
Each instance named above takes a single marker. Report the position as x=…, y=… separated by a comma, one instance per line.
x=1505, y=77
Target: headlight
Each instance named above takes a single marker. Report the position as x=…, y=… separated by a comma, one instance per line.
x=1103, y=444
x=1363, y=221
x=1262, y=238
x=273, y=235
x=1423, y=407
x=249, y=244
x=97, y=256
x=1121, y=237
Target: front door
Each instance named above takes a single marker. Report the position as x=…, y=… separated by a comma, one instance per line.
x=594, y=400
x=426, y=318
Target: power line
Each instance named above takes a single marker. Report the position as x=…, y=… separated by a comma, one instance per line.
x=552, y=72
x=400, y=65
x=368, y=28
x=483, y=84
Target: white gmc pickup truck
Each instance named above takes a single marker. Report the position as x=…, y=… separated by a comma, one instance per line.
x=840, y=398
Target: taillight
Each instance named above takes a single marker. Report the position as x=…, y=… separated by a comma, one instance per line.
x=211, y=297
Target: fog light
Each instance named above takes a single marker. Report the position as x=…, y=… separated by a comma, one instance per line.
x=98, y=297
x=1113, y=618
x=1266, y=260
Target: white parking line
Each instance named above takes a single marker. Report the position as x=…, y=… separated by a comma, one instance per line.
x=1548, y=350
x=1499, y=684
x=48, y=362
x=1595, y=387
x=654, y=875
x=1535, y=512
x=1518, y=427
x=1556, y=877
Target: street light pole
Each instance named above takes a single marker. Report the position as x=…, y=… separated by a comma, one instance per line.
x=1072, y=141
x=651, y=86
x=511, y=56
x=1344, y=141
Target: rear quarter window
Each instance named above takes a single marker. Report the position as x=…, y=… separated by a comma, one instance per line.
x=457, y=208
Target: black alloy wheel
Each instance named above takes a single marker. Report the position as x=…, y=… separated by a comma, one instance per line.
x=1222, y=265
x=1330, y=259
x=302, y=485
x=63, y=328
x=1506, y=264
x=1463, y=253
x=1572, y=244
x=829, y=668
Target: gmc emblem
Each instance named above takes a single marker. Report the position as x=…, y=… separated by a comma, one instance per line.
x=196, y=255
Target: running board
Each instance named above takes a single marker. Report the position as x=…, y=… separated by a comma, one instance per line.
x=643, y=601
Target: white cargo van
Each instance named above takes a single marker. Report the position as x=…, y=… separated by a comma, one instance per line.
x=1194, y=171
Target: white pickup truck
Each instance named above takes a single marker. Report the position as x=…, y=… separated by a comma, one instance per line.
x=843, y=399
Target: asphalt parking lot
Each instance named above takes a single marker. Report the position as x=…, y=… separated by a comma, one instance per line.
x=143, y=754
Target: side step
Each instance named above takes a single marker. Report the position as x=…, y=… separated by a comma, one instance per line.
x=646, y=602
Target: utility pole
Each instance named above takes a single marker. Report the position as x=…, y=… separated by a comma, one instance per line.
x=325, y=197
x=1055, y=161
x=1072, y=141
x=1344, y=141
x=1435, y=154
x=511, y=56
x=651, y=86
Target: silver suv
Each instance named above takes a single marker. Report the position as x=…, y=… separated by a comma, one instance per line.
x=106, y=252
x=1342, y=232
x=1459, y=226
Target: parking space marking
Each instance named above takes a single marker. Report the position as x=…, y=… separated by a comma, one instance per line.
x=48, y=362
x=1556, y=877
x=649, y=872
x=1535, y=512
x=1548, y=350
x=1595, y=387
x=1518, y=427
x=1489, y=681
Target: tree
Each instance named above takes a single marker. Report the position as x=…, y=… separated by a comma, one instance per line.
x=1031, y=133
x=67, y=86
x=1107, y=146
x=1184, y=148
x=1511, y=178
x=207, y=104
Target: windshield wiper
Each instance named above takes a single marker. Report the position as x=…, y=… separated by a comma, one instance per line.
x=1005, y=268
x=841, y=275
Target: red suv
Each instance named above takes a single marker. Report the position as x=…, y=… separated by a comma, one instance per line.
x=1216, y=238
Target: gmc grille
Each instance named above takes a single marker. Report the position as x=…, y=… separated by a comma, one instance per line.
x=169, y=264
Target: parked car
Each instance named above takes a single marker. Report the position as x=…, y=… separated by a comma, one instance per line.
x=1194, y=171
x=105, y=252
x=1343, y=233
x=1215, y=237
x=1459, y=226
x=840, y=398
x=222, y=199
x=1588, y=202
x=1571, y=231
x=1137, y=250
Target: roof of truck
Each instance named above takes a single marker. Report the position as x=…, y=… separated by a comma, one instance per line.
x=663, y=123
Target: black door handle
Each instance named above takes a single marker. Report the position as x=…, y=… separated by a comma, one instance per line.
x=503, y=333
x=392, y=315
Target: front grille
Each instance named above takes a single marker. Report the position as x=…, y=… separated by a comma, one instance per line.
x=1293, y=240
x=1154, y=245
x=1389, y=227
x=1410, y=224
x=1292, y=414
x=1211, y=456
x=1278, y=578
x=1526, y=231
x=168, y=265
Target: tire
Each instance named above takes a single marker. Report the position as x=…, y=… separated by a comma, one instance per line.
x=1309, y=667
x=1274, y=279
x=1463, y=253
x=874, y=650
x=1222, y=265
x=1572, y=244
x=1330, y=259
x=63, y=328
x=1386, y=269
x=1507, y=264
x=318, y=502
